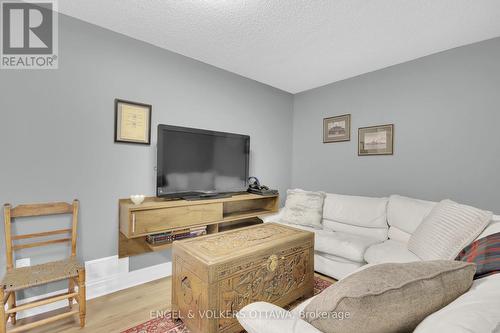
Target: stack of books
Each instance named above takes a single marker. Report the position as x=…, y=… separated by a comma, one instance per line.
x=168, y=237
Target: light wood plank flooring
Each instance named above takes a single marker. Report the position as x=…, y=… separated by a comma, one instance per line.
x=118, y=311
x=114, y=312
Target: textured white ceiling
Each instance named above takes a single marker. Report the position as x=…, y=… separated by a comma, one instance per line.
x=296, y=45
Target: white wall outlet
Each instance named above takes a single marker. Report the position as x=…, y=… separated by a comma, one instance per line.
x=25, y=262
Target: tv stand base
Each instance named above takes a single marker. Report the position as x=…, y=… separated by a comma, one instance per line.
x=157, y=215
x=207, y=196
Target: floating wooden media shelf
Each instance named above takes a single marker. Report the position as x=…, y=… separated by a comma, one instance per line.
x=159, y=247
x=156, y=216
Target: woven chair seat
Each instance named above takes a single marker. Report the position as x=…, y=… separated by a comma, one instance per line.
x=26, y=277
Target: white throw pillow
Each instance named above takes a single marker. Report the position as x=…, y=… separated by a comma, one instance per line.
x=447, y=229
x=304, y=208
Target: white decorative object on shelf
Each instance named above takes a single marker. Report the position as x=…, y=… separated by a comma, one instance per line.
x=137, y=199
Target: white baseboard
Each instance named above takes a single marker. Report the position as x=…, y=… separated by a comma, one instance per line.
x=125, y=279
x=103, y=276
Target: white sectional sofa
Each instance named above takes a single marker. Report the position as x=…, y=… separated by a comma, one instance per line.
x=361, y=230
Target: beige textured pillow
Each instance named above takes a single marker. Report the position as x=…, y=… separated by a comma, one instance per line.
x=447, y=229
x=388, y=298
x=304, y=208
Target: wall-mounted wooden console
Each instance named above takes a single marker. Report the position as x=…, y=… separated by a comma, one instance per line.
x=157, y=215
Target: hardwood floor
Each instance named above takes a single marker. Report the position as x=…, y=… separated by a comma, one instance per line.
x=118, y=311
x=114, y=312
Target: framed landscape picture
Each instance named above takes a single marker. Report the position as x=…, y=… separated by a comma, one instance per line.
x=132, y=122
x=337, y=129
x=376, y=140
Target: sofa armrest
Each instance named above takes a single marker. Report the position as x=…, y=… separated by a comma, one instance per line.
x=274, y=217
x=262, y=317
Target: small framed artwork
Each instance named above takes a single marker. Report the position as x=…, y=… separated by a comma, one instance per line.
x=132, y=122
x=376, y=140
x=337, y=129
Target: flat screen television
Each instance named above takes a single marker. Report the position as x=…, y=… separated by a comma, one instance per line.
x=200, y=163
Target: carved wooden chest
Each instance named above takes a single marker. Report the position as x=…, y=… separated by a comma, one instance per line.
x=215, y=276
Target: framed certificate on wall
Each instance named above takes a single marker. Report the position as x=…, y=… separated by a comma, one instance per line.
x=132, y=122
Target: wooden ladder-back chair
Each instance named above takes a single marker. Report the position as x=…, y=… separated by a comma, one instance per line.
x=17, y=279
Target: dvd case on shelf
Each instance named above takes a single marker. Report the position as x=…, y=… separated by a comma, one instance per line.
x=168, y=237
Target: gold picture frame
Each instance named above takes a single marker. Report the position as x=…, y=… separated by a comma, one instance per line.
x=337, y=129
x=132, y=122
x=376, y=140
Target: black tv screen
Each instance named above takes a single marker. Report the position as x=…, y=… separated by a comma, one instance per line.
x=194, y=162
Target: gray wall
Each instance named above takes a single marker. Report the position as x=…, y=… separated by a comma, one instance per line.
x=56, y=128
x=446, y=113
